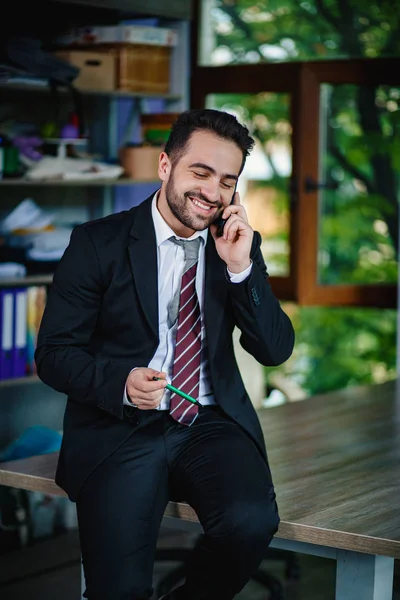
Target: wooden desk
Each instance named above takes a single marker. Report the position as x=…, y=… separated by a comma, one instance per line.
x=335, y=460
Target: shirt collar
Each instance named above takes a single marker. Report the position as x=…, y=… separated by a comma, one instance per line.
x=164, y=231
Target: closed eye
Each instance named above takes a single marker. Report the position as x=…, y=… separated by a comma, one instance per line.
x=201, y=175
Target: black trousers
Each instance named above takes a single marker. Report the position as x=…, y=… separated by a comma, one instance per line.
x=215, y=467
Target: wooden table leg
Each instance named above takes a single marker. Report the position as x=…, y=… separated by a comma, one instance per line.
x=363, y=576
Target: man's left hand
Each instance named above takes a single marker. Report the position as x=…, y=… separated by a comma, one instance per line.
x=235, y=244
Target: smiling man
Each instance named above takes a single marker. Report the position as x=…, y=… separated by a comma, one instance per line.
x=144, y=299
x=208, y=190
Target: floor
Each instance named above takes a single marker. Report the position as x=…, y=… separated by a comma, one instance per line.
x=51, y=570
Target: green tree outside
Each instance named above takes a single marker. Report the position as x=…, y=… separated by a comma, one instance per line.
x=359, y=219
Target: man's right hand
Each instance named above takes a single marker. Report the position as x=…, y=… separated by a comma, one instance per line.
x=142, y=391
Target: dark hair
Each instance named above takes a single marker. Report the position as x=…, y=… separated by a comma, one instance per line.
x=218, y=122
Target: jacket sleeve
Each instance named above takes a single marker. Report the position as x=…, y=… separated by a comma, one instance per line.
x=62, y=355
x=266, y=330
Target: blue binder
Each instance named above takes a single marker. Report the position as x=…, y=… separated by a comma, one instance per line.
x=6, y=333
x=19, y=355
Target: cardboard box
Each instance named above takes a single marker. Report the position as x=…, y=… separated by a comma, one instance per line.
x=140, y=68
x=97, y=69
x=140, y=162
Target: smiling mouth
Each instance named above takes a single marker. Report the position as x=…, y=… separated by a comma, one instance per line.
x=202, y=205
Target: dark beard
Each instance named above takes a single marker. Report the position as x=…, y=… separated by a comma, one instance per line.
x=179, y=208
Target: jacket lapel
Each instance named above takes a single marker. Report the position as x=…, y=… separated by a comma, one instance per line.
x=215, y=295
x=142, y=251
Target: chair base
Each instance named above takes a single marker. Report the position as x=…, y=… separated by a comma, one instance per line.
x=176, y=576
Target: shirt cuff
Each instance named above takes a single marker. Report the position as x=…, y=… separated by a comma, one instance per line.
x=126, y=400
x=239, y=277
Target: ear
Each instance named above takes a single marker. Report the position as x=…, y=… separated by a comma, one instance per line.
x=164, y=167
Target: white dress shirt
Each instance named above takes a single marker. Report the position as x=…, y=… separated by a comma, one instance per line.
x=170, y=265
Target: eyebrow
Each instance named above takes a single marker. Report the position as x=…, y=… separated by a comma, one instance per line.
x=200, y=165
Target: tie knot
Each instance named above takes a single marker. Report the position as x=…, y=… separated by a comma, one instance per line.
x=190, y=247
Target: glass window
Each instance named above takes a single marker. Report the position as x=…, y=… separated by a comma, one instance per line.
x=264, y=183
x=335, y=348
x=295, y=30
x=360, y=169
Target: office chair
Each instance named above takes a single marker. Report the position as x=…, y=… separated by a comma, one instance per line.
x=274, y=586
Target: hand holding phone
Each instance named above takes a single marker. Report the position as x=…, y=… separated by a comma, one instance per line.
x=233, y=240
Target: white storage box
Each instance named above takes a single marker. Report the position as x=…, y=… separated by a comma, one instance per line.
x=132, y=34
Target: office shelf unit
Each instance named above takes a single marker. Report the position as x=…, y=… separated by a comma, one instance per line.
x=110, y=118
x=25, y=281
x=28, y=380
x=42, y=87
x=123, y=181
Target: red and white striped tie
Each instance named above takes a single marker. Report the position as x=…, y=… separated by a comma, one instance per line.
x=186, y=366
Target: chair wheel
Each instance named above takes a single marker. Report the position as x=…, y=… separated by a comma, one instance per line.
x=272, y=584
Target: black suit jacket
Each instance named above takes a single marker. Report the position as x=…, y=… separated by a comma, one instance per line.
x=101, y=320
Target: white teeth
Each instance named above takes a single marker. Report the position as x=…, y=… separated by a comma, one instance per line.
x=203, y=206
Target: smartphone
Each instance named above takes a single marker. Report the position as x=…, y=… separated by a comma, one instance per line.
x=220, y=222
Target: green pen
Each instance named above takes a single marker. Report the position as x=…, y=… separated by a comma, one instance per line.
x=179, y=392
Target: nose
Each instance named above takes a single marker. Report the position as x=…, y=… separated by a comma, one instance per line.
x=211, y=191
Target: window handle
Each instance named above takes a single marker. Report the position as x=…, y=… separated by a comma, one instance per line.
x=310, y=185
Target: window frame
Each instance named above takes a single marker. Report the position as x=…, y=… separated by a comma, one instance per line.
x=308, y=291
x=302, y=81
